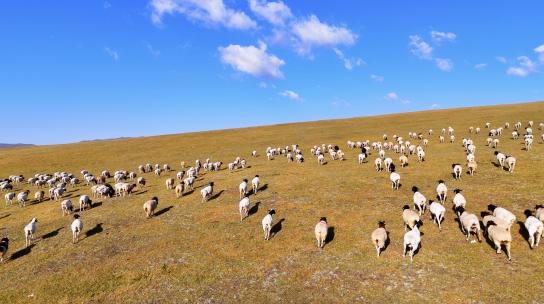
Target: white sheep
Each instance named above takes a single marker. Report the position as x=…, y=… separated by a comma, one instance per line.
x=66, y=207
x=500, y=158
x=502, y=213
x=395, y=180
x=242, y=189
x=378, y=164
x=457, y=170
x=321, y=230
x=206, y=193
x=410, y=217
x=255, y=182
x=511, y=161
x=437, y=211
x=362, y=157
x=388, y=162
x=379, y=237
x=39, y=196
x=84, y=202
x=180, y=188
x=442, y=191
x=403, y=159
x=534, y=228
x=169, y=184
x=150, y=206
x=22, y=197
x=244, y=208
x=267, y=224
x=412, y=239
x=9, y=198
x=469, y=223
x=320, y=159
x=458, y=199
x=419, y=200
x=77, y=227
x=499, y=236
x=30, y=230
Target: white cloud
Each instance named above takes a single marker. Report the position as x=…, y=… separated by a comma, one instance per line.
x=525, y=67
x=420, y=48
x=153, y=51
x=480, y=66
x=113, y=54
x=274, y=12
x=377, y=78
x=540, y=51
x=266, y=85
x=207, y=11
x=311, y=32
x=392, y=96
x=444, y=64
x=434, y=106
x=291, y=95
x=107, y=4
x=443, y=36
x=349, y=63
x=501, y=59
x=252, y=60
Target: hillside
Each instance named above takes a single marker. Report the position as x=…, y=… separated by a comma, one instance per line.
x=201, y=252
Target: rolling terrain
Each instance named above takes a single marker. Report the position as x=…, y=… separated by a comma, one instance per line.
x=201, y=252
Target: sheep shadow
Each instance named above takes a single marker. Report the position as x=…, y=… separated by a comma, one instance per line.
x=95, y=205
x=216, y=195
x=5, y=215
x=141, y=192
x=254, y=209
x=52, y=233
x=21, y=252
x=95, y=230
x=330, y=235
x=276, y=228
x=496, y=164
x=163, y=210
x=386, y=244
x=188, y=192
x=523, y=231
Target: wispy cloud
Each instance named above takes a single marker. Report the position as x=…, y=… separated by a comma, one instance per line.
x=291, y=95
x=524, y=68
x=424, y=50
x=480, y=66
x=311, y=32
x=154, y=52
x=112, y=53
x=444, y=64
x=252, y=60
x=501, y=59
x=392, y=96
x=540, y=51
x=211, y=12
x=420, y=48
x=377, y=78
x=107, y=4
x=349, y=63
x=434, y=106
x=338, y=102
x=443, y=36
x=274, y=12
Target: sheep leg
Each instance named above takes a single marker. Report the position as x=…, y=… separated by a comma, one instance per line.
x=507, y=249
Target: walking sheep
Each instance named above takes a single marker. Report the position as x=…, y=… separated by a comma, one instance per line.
x=267, y=224
x=30, y=230
x=255, y=182
x=244, y=208
x=499, y=236
x=442, y=191
x=379, y=237
x=77, y=227
x=419, y=200
x=150, y=206
x=534, y=228
x=437, y=213
x=412, y=239
x=207, y=192
x=321, y=230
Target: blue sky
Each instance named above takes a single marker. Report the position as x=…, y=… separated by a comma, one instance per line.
x=76, y=70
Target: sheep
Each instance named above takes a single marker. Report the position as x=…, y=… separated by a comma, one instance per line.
x=58, y=192
x=489, y=140
x=457, y=170
x=66, y=207
x=158, y=172
x=254, y=153
x=4, y=246
x=189, y=182
x=255, y=182
x=77, y=227
x=442, y=191
x=30, y=230
x=534, y=228
x=403, y=160
x=419, y=200
x=458, y=199
x=515, y=135
x=441, y=139
x=539, y=213
x=395, y=180
x=207, y=192
x=84, y=202
x=487, y=216
x=499, y=236
x=388, y=162
x=267, y=224
x=378, y=164
x=361, y=158
x=420, y=156
x=502, y=213
x=469, y=223
x=500, y=158
x=321, y=230
x=9, y=198
x=410, y=217
x=39, y=196
x=379, y=237
x=511, y=161
x=437, y=213
x=320, y=159
x=141, y=181
x=495, y=143
x=472, y=166
x=150, y=206
x=22, y=197
x=411, y=243
x=528, y=143
x=244, y=208
x=180, y=188
x=169, y=184
x=242, y=189
x=452, y=139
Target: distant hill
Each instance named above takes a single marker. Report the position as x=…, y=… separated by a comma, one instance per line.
x=2, y=145
x=106, y=139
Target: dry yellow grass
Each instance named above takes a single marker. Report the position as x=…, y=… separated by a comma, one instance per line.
x=201, y=252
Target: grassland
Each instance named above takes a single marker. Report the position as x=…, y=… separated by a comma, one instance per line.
x=201, y=252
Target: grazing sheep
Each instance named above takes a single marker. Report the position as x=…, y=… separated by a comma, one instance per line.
x=388, y=162
x=244, y=208
x=534, y=228
x=77, y=227
x=379, y=237
x=419, y=200
x=361, y=158
x=500, y=158
x=511, y=161
x=412, y=239
x=22, y=197
x=442, y=191
x=243, y=188
x=410, y=217
x=169, y=184
x=502, y=213
x=420, y=156
x=84, y=202
x=180, y=188
x=495, y=143
x=499, y=236
x=9, y=198
x=207, y=192
x=255, y=182
x=457, y=170
x=320, y=159
x=150, y=206
x=403, y=160
x=30, y=230
x=395, y=180
x=66, y=207
x=437, y=213
x=141, y=181
x=189, y=182
x=267, y=224
x=378, y=164
x=321, y=230
x=4, y=246
x=469, y=223
x=39, y=196
x=472, y=166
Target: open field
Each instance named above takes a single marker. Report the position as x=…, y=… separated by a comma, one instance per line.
x=201, y=252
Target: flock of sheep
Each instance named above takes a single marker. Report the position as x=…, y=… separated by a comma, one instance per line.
x=497, y=221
